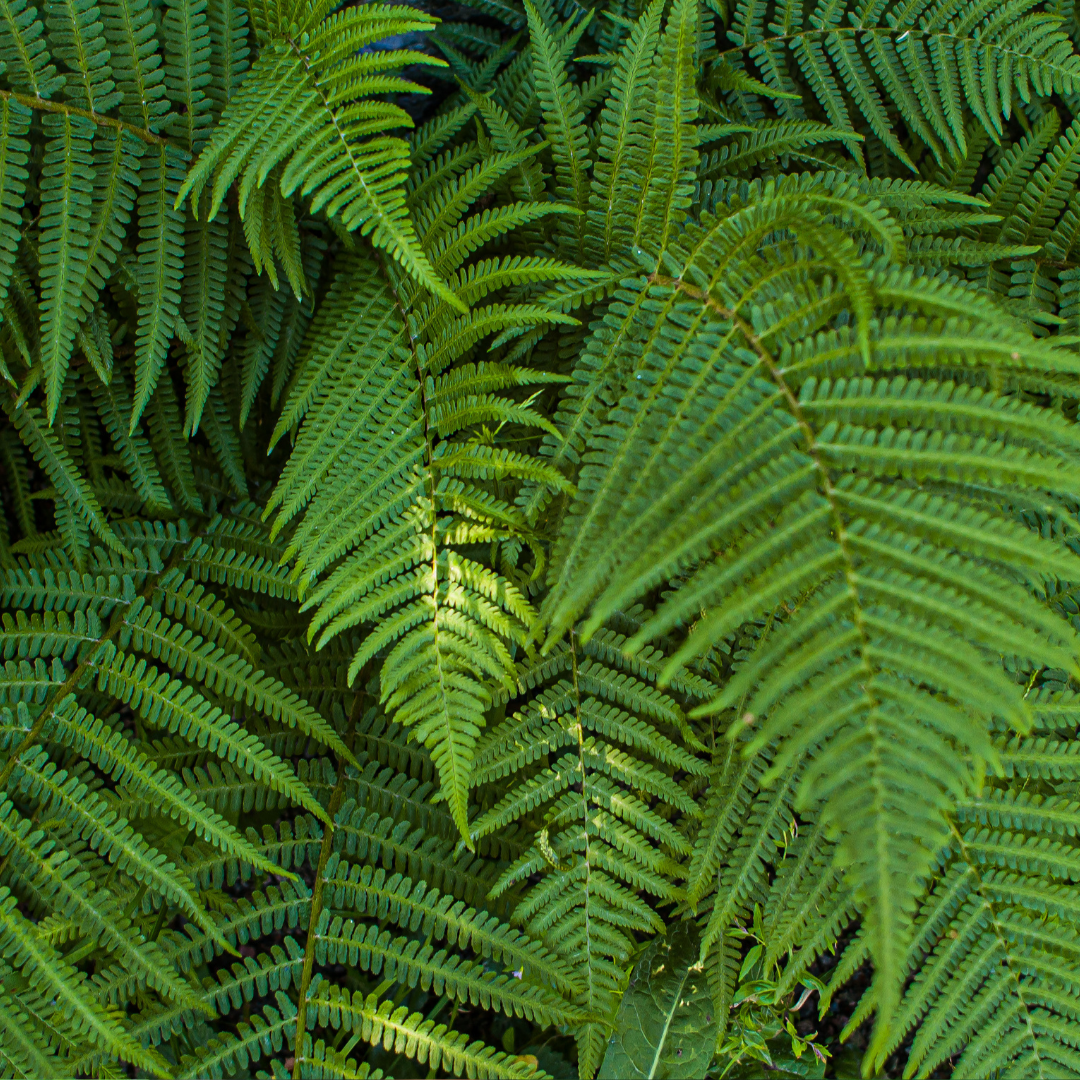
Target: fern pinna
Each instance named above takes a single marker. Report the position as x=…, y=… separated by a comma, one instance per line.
x=538, y=543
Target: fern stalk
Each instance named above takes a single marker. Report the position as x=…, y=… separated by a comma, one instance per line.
x=64, y=108
x=337, y=797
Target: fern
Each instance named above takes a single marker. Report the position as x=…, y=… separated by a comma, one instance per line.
x=315, y=91
x=823, y=578
x=930, y=65
x=598, y=844
x=475, y=526
x=454, y=620
x=65, y=236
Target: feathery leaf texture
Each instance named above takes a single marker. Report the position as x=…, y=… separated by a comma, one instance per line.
x=302, y=106
x=454, y=556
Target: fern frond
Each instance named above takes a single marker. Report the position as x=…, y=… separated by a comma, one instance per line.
x=322, y=1062
x=186, y=38
x=622, y=128
x=371, y=892
x=564, y=122
x=14, y=124
x=262, y=1034
x=24, y=1048
x=136, y=62
x=60, y=881
x=203, y=310
x=422, y=1040
x=77, y=38
x=205, y=561
x=317, y=97
x=161, y=232
x=114, y=406
x=981, y=937
x=672, y=156
x=338, y=464
x=340, y=941
x=55, y=460
x=177, y=708
x=66, y=590
x=594, y=841
x=25, y=952
x=930, y=72
x=147, y=788
x=206, y=615
x=24, y=52
x=67, y=186
x=48, y=635
x=452, y=618
x=257, y=976
x=791, y=555
x=766, y=141
x=88, y=816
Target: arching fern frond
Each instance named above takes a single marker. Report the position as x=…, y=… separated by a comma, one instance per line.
x=315, y=92
x=757, y=492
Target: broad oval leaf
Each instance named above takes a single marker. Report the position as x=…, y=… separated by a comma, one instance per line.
x=665, y=1028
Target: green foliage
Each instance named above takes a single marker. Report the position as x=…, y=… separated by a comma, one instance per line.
x=550, y=578
x=665, y=1024
x=301, y=114
x=603, y=854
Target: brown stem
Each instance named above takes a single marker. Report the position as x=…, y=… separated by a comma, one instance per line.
x=43, y=105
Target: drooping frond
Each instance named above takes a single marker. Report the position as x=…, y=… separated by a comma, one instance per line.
x=304, y=107
x=382, y=518
x=761, y=462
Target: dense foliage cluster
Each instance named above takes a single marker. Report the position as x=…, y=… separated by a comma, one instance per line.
x=539, y=542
